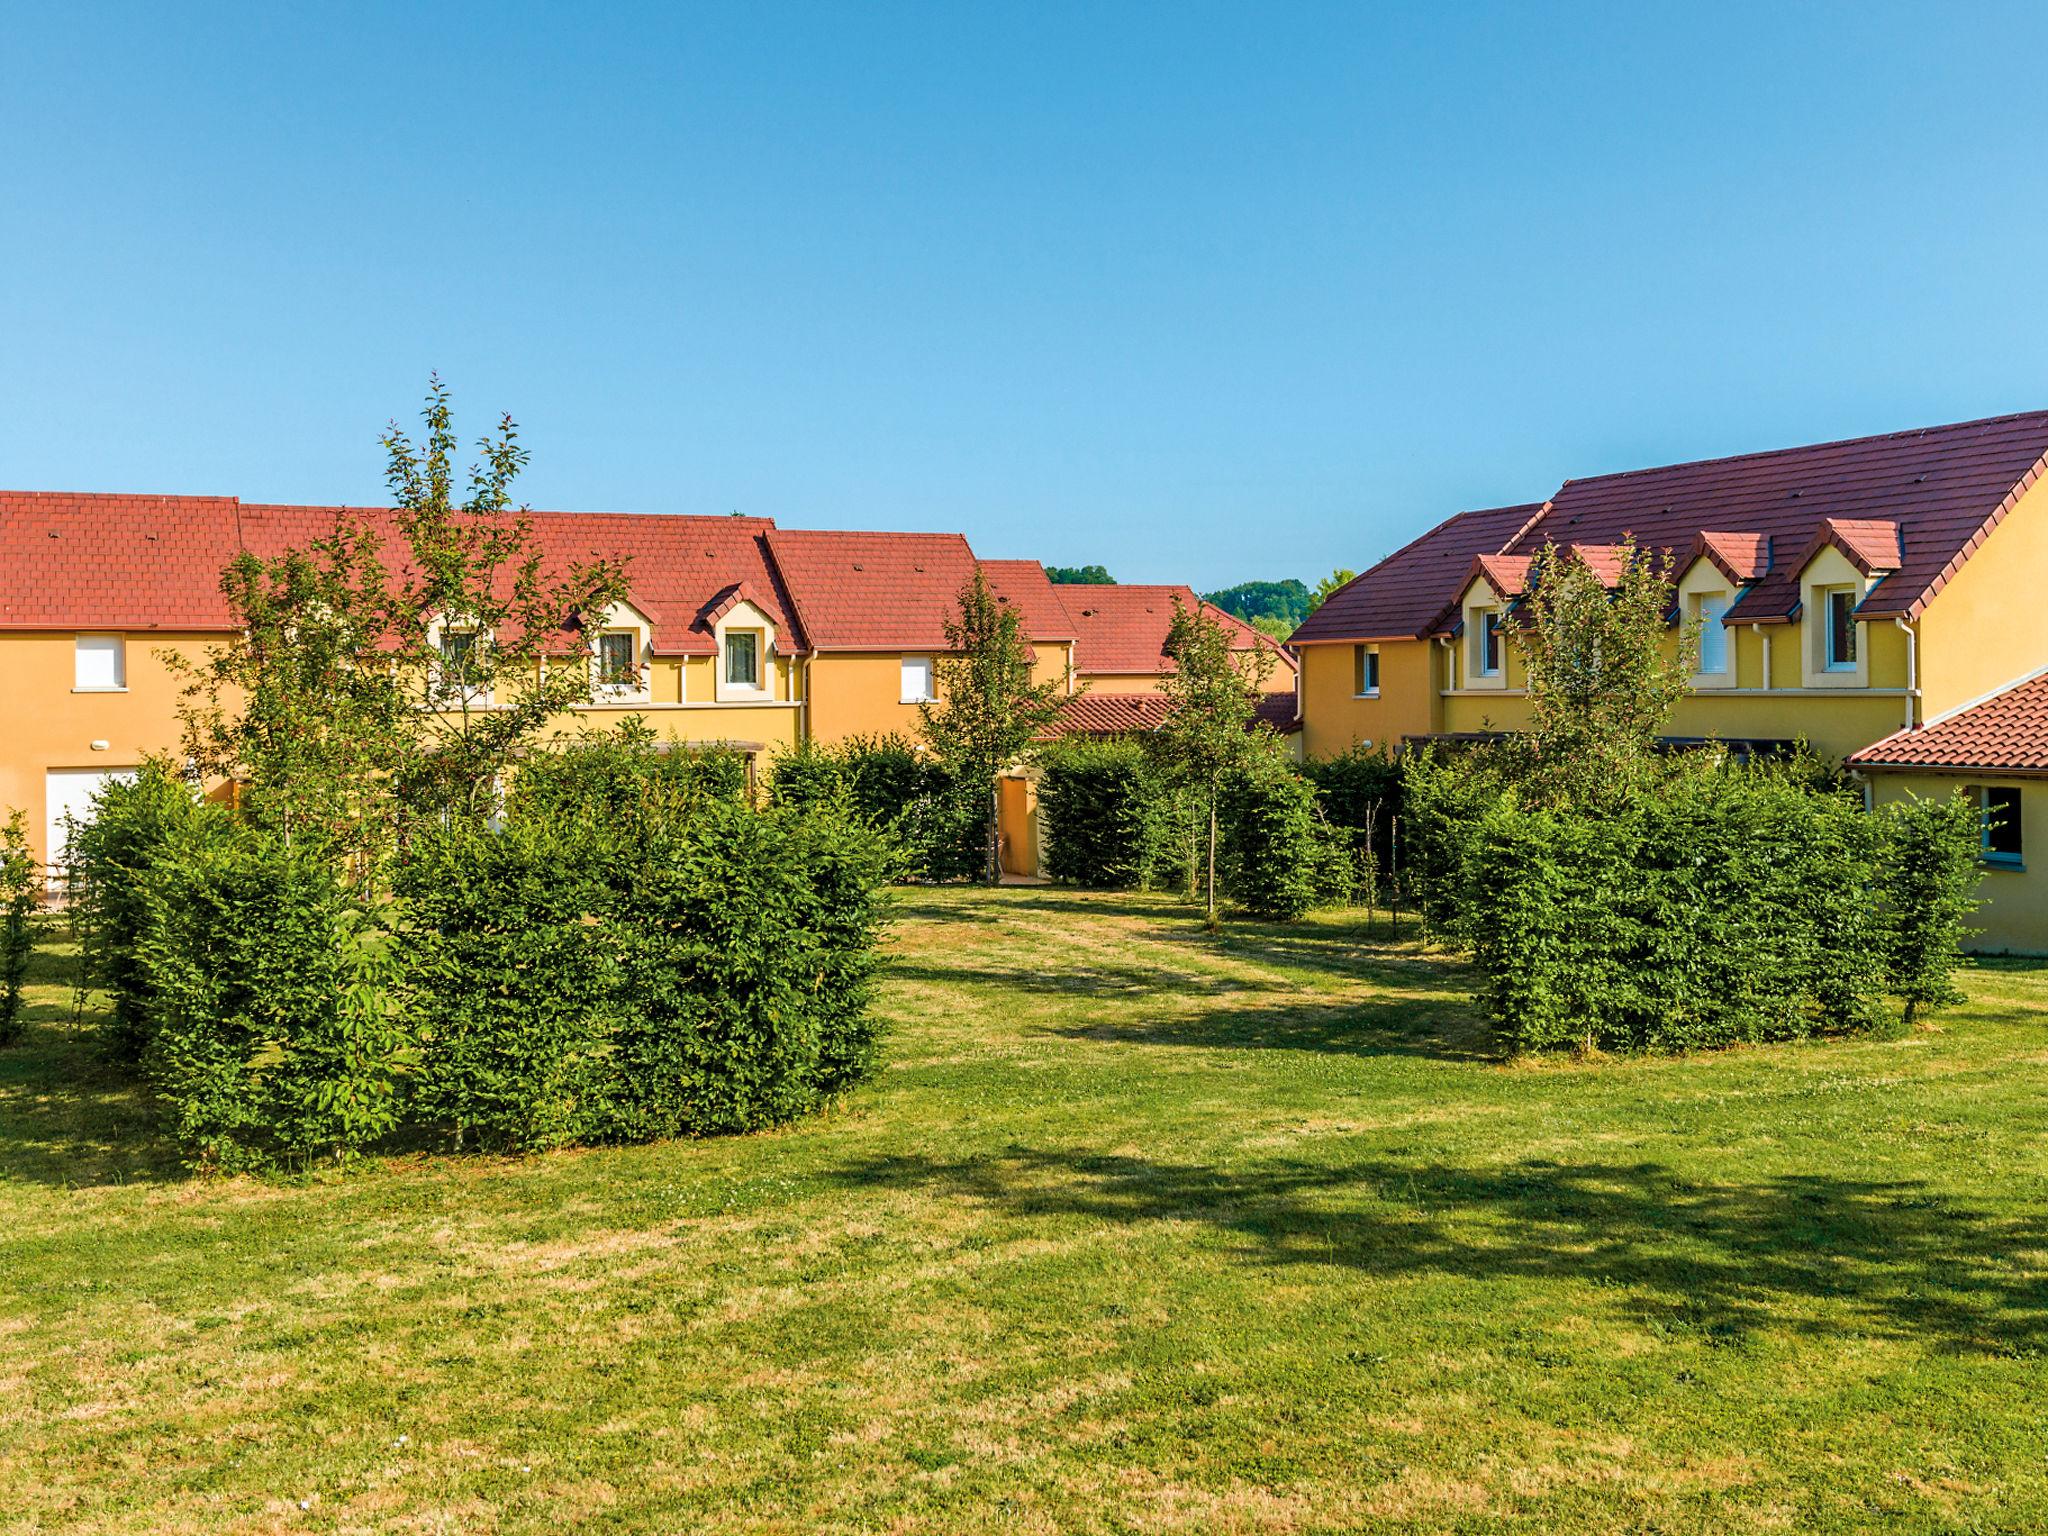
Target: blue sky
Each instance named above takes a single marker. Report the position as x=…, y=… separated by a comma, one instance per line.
x=1203, y=293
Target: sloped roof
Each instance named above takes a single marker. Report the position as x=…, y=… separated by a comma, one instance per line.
x=1741, y=557
x=2007, y=733
x=1122, y=629
x=1944, y=487
x=873, y=591
x=677, y=567
x=1400, y=598
x=114, y=562
x=1024, y=584
x=1126, y=714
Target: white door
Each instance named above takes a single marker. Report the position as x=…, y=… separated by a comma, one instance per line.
x=67, y=797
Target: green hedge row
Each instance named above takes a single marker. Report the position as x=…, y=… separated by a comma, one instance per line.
x=1110, y=818
x=938, y=826
x=21, y=880
x=654, y=958
x=1733, y=905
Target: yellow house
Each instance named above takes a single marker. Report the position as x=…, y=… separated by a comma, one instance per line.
x=1846, y=593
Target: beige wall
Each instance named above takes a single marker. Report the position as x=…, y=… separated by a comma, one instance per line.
x=2014, y=919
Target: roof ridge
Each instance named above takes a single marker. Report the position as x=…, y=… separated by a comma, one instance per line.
x=1835, y=442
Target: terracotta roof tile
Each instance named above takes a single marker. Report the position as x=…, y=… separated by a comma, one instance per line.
x=2005, y=733
x=1401, y=597
x=1121, y=630
x=1741, y=557
x=1127, y=714
x=873, y=591
x=1025, y=584
x=114, y=562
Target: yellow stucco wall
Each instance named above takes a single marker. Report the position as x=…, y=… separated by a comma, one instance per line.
x=855, y=693
x=48, y=725
x=1335, y=718
x=1974, y=634
x=2014, y=918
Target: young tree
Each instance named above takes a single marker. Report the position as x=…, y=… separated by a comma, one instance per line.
x=989, y=714
x=1601, y=684
x=356, y=694
x=1215, y=698
x=1327, y=587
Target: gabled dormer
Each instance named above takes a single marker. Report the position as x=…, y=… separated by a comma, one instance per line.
x=1843, y=561
x=1713, y=577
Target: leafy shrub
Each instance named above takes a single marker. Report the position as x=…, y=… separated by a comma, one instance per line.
x=1108, y=818
x=648, y=974
x=938, y=825
x=1279, y=857
x=20, y=892
x=1359, y=790
x=110, y=858
x=272, y=1025
x=1927, y=880
x=610, y=770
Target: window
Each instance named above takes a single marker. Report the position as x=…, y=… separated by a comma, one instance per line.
x=1487, y=660
x=1713, y=606
x=461, y=669
x=743, y=658
x=1367, y=662
x=100, y=664
x=917, y=680
x=615, y=667
x=1999, y=811
x=1841, y=637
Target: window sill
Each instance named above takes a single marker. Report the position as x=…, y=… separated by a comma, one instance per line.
x=108, y=688
x=2004, y=862
x=1372, y=694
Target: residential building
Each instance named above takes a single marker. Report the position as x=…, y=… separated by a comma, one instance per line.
x=1845, y=593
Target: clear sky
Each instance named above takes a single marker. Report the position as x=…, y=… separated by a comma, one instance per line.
x=1202, y=293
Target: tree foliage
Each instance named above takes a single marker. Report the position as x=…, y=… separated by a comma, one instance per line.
x=1328, y=587
x=1286, y=602
x=1079, y=576
x=1601, y=684
x=989, y=714
x=1209, y=729
x=21, y=880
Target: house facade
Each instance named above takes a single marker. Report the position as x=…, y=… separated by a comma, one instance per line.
x=733, y=632
x=1846, y=594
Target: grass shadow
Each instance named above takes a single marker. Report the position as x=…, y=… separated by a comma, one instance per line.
x=1809, y=1253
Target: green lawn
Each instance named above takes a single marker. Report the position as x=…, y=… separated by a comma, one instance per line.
x=1138, y=1231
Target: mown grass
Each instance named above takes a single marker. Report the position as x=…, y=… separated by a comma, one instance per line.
x=1139, y=1231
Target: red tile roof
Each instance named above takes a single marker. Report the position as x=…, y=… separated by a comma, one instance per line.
x=1944, y=488
x=2007, y=733
x=1400, y=598
x=1126, y=714
x=678, y=568
x=873, y=591
x=1508, y=575
x=114, y=562
x=1024, y=584
x=1121, y=630
x=1741, y=557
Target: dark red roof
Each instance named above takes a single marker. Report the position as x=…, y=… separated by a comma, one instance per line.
x=1944, y=488
x=114, y=562
x=1400, y=598
x=873, y=591
x=1121, y=630
x=2007, y=733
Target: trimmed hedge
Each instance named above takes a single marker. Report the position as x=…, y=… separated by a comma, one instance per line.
x=272, y=1019
x=612, y=770
x=625, y=979
x=938, y=825
x=1279, y=856
x=1733, y=905
x=1108, y=819
x=1360, y=793
x=21, y=879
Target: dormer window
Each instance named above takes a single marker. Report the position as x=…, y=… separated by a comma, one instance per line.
x=1486, y=660
x=1711, y=610
x=458, y=669
x=743, y=658
x=1841, y=629
x=615, y=667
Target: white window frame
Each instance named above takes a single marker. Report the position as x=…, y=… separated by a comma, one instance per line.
x=1838, y=619
x=1829, y=573
x=1489, y=644
x=930, y=673
x=1982, y=794
x=442, y=695
x=744, y=618
x=1704, y=584
x=114, y=646
x=1365, y=671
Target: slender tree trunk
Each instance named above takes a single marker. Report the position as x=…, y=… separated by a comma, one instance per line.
x=1212, y=859
x=994, y=873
